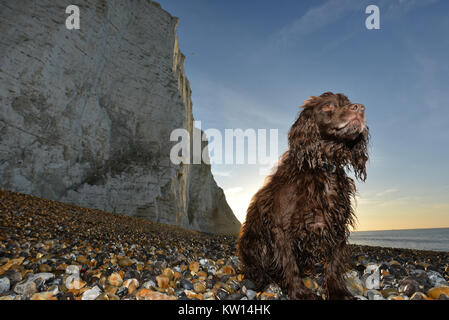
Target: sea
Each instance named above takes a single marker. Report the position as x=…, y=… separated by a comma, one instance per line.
x=421, y=239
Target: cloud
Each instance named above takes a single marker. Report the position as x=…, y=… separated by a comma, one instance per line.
x=232, y=191
x=441, y=206
x=396, y=201
x=315, y=19
x=231, y=108
x=385, y=192
x=395, y=9
x=332, y=11
x=380, y=198
x=221, y=173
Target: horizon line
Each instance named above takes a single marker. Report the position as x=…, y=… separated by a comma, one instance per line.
x=401, y=229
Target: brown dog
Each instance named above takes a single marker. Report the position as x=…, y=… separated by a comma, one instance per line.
x=302, y=214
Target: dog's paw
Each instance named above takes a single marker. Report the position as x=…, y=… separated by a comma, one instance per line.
x=305, y=296
x=342, y=296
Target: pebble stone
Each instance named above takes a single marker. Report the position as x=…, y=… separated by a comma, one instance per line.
x=251, y=294
x=5, y=284
x=91, y=294
x=26, y=289
x=54, y=251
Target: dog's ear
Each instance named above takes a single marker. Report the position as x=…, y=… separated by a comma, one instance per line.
x=303, y=138
x=311, y=102
x=359, y=155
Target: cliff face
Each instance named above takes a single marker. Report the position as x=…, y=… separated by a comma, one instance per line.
x=86, y=115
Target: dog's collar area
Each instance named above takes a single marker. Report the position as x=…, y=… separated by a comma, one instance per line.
x=329, y=167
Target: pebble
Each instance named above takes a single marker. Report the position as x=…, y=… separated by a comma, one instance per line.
x=72, y=269
x=26, y=289
x=388, y=281
x=229, y=270
x=91, y=294
x=209, y=296
x=74, y=282
x=436, y=279
x=106, y=256
x=378, y=297
x=436, y=292
x=111, y=289
x=149, y=284
x=199, y=287
x=274, y=289
x=212, y=270
x=13, y=276
x=5, y=284
x=41, y=277
x=408, y=286
x=121, y=292
x=67, y=296
x=125, y=262
x=43, y=296
x=44, y=268
x=169, y=274
x=115, y=279
x=107, y=296
x=202, y=275
x=53, y=289
x=418, y=296
x=131, y=285
x=146, y=294
x=310, y=283
x=371, y=280
x=390, y=291
x=247, y=283
x=162, y=281
x=251, y=294
x=11, y=263
x=235, y=296
x=397, y=270
x=177, y=269
x=194, y=266
x=267, y=296
x=82, y=260
x=395, y=297
x=222, y=294
x=371, y=268
x=421, y=265
x=372, y=294
x=354, y=284
x=186, y=284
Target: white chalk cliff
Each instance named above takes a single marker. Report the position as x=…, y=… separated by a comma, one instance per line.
x=86, y=115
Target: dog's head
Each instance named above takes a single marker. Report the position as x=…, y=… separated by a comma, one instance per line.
x=331, y=129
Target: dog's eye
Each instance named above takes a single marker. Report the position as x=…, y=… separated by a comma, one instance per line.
x=328, y=107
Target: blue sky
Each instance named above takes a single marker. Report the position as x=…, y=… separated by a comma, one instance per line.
x=252, y=63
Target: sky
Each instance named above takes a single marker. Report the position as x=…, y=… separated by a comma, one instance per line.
x=252, y=63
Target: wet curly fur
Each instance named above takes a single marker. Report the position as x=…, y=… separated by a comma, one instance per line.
x=302, y=214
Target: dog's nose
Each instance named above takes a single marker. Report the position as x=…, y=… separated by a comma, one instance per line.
x=357, y=107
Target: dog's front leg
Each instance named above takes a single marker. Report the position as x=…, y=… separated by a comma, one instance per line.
x=334, y=275
x=290, y=271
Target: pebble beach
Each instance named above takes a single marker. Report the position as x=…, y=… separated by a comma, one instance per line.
x=54, y=251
